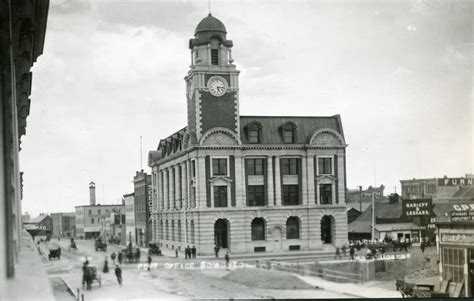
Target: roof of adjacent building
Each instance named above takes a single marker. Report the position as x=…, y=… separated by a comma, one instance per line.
x=362, y=224
x=37, y=220
x=464, y=192
x=100, y=205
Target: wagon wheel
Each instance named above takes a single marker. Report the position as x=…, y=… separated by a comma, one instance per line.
x=99, y=280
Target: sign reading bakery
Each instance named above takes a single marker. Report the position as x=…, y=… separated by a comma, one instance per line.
x=419, y=207
x=455, y=182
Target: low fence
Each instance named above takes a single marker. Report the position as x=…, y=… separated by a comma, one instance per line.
x=316, y=270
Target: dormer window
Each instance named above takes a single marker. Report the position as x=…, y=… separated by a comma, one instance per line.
x=253, y=136
x=254, y=132
x=214, y=56
x=288, y=132
x=288, y=136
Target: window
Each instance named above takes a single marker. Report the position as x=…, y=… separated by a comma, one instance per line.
x=290, y=195
x=98, y=211
x=292, y=228
x=258, y=229
x=430, y=188
x=92, y=220
x=325, y=193
x=193, y=168
x=219, y=167
x=256, y=195
x=90, y=211
x=253, y=136
x=220, y=196
x=214, y=56
x=288, y=136
x=254, y=166
x=324, y=166
x=453, y=264
x=289, y=166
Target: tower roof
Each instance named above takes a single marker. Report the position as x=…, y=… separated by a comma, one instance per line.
x=210, y=24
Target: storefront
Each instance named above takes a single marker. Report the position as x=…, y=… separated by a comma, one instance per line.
x=455, y=242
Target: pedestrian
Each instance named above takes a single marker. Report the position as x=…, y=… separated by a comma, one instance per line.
x=84, y=272
x=193, y=251
x=227, y=259
x=106, y=266
x=120, y=257
x=338, y=253
x=176, y=252
x=113, y=256
x=216, y=250
x=149, y=262
x=344, y=248
x=137, y=255
x=118, y=274
x=382, y=250
x=422, y=247
x=186, y=252
x=352, y=252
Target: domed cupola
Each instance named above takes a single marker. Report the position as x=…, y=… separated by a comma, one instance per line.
x=209, y=28
x=210, y=25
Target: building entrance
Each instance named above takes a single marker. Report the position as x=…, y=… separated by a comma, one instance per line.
x=276, y=237
x=221, y=233
x=327, y=229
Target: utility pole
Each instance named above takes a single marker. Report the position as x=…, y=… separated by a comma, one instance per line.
x=373, y=215
x=360, y=199
x=141, y=153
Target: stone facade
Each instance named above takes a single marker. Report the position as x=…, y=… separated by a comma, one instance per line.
x=245, y=183
x=142, y=200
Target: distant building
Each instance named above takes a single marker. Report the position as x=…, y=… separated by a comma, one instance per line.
x=360, y=199
x=142, y=195
x=130, y=231
x=64, y=224
x=352, y=214
x=91, y=220
x=439, y=189
x=41, y=225
x=25, y=217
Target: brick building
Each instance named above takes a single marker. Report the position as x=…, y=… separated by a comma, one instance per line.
x=441, y=190
x=245, y=183
x=130, y=232
x=142, y=201
x=64, y=224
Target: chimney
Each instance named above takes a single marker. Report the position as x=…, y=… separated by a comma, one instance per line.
x=92, y=193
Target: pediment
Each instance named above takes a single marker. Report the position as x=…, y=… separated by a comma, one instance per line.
x=220, y=137
x=327, y=137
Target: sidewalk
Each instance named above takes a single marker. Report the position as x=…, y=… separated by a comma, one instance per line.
x=351, y=289
x=31, y=280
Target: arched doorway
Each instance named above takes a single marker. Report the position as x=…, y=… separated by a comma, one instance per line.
x=221, y=233
x=327, y=229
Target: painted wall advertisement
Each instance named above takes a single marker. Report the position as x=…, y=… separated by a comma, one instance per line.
x=417, y=207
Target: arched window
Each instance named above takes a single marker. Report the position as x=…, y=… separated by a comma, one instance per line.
x=167, y=231
x=258, y=229
x=179, y=231
x=288, y=132
x=172, y=231
x=254, y=132
x=192, y=231
x=292, y=228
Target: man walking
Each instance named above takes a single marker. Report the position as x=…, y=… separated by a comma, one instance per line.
x=422, y=247
x=113, y=256
x=149, y=262
x=120, y=257
x=338, y=253
x=118, y=273
x=187, y=252
x=227, y=259
x=352, y=252
x=216, y=250
x=193, y=251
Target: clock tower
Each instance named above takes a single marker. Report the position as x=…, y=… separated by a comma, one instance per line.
x=212, y=86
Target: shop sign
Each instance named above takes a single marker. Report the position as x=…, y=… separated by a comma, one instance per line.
x=455, y=182
x=420, y=207
x=457, y=238
x=463, y=207
x=462, y=216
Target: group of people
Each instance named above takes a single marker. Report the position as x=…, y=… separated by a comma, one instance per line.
x=190, y=252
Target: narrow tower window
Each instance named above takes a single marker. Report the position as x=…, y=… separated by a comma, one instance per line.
x=215, y=56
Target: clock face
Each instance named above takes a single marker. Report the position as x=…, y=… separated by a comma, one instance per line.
x=217, y=86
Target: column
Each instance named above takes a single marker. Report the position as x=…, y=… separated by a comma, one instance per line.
x=184, y=186
x=166, y=199
x=171, y=187
x=304, y=181
x=201, y=182
x=270, y=188
x=239, y=181
x=188, y=183
x=277, y=181
x=243, y=188
x=311, y=187
x=177, y=180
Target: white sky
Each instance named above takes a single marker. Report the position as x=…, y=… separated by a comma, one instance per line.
x=398, y=72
